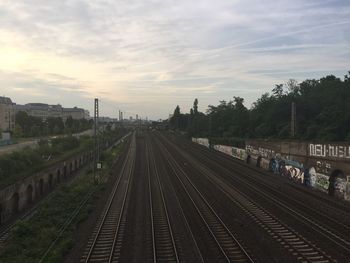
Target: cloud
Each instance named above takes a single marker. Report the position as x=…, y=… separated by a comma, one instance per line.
x=147, y=56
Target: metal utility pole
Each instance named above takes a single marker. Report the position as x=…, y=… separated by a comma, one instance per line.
x=293, y=119
x=9, y=120
x=96, y=144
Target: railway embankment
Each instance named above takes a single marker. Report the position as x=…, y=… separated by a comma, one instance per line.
x=53, y=226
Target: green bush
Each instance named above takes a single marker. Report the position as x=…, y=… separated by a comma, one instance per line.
x=31, y=239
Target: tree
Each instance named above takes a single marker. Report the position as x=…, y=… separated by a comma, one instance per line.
x=278, y=90
x=175, y=119
x=30, y=125
x=292, y=87
x=323, y=113
x=177, y=111
x=18, y=131
x=69, y=122
x=55, y=125
x=195, y=107
x=35, y=131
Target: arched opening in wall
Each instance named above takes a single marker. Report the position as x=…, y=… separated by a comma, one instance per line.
x=248, y=159
x=333, y=186
x=50, y=181
x=29, y=193
x=65, y=171
x=41, y=187
x=15, y=203
x=0, y=214
x=273, y=165
x=258, y=161
x=58, y=178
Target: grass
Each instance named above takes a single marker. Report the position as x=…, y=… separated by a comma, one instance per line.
x=37, y=166
x=32, y=165
x=32, y=238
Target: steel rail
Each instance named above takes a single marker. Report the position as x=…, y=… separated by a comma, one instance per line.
x=285, y=234
x=220, y=237
x=318, y=227
x=157, y=248
x=130, y=160
x=151, y=205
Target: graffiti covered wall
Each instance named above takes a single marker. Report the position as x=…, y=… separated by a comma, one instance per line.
x=223, y=148
x=239, y=153
x=232, y=151
x=201, y=141
x=323, y=166
x=329, y=151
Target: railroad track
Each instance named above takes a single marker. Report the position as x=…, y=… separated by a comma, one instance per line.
x=335, y=231
x=6, y=229
x=294, y=242
x=164, y=246
x=231, y=248
x=336, y=206
x=184, y=237
x=105, y=243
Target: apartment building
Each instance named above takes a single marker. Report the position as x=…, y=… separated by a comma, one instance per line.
x=7, y=114
x=45, y=111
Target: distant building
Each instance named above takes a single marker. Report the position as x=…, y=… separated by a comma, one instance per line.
x=41, y=110
x=75, y=113
x=44, y=111
x=7, y=114
x=86, y=114
x=107, y=120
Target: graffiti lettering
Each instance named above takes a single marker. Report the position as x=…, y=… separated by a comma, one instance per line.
x=201, y=141
x=239, y=153
x=329, y=150
x=290, y=169
x=266, y=153
x=224, y=149
x=323, y=167
x=317, y=150
x=232, y=151
x=322, y=182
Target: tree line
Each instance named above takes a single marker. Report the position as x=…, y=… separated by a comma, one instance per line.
x=322, y=113
x=29, y=160
x=31, y=126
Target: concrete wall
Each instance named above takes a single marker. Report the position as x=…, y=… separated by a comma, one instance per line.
x=201, y=141
x=325, y=166
x=15, y=198
x=232, y=151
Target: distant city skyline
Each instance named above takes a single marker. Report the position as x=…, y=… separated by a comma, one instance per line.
x=146, y=57
x=30, y=103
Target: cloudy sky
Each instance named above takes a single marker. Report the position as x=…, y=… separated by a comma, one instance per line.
x=147, y=56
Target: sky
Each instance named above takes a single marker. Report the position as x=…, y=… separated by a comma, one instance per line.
x=146, y=57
